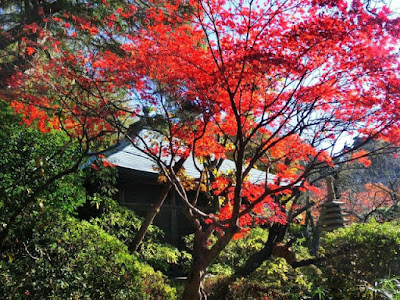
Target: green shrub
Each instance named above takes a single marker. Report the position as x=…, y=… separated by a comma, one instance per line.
x=237, y=251
x=123, y=224
x=388, y=288
x=29, y=158
x=47, y=253
x=370, y=252
x=274, y=279
x=278, y=280
x=64, y=258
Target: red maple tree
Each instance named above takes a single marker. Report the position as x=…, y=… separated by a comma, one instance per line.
x=365, y=204
x=267, y=84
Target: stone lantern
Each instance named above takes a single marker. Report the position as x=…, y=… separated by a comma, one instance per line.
x=332, y=216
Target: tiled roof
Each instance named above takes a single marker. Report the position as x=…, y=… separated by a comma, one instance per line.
x=129, y=157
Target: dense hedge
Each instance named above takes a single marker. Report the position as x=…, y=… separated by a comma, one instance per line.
x=370, y=252
x=65, y=258
x=366, y=254
x=274, y=279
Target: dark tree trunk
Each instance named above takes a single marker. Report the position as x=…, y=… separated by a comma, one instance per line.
x=203, y=256
x=155, y=208
x=276, y=234
x=194, y=282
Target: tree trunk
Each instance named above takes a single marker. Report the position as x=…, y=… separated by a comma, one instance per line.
x=155, y=208
x=201, y=259
x=203, y=256
x=194, y=283
x=275, y=235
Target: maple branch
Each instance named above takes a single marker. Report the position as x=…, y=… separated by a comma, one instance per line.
x=318, y=260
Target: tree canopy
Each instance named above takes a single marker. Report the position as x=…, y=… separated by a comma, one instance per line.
x=265, y=83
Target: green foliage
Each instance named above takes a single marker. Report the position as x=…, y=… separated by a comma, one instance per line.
x=50, y=254
x=388, y=288
x=275, y=279
x=64, y=258
x=101, y=179
x=371, y=252
x=30, y=162
x=238, y=251
x=123, y=224
x=319, y=293
x=29, y=159
x=248, y=289
x=281, y=281
x=160, y=256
